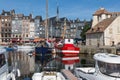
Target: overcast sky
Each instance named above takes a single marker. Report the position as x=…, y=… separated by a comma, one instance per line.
x=71, y=9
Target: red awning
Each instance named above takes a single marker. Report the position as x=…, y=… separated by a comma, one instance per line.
x=15, y=40
x=38, y=39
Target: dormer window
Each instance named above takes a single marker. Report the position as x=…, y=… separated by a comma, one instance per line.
x=5, y=14
x=92, y=29
x=98, y=29
x=2, y=20
x=5, y=19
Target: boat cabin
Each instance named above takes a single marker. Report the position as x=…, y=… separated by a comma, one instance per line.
x=2, y=60
x=3, y=64
x=107, y=67
x=108, y=64
x=4, y=72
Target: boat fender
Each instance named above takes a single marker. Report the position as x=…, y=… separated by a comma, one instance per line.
x=11, y=76
x=18, y=73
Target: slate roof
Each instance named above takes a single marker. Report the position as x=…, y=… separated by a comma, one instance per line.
x=101, y=26
x=115, y=14
x=101, y=11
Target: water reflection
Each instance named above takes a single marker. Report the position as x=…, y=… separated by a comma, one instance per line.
x=24, y=60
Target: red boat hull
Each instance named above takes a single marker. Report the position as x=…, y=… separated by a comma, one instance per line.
x=70, y=53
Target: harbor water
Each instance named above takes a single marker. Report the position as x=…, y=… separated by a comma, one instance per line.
x=25, y=61
x=22, y=61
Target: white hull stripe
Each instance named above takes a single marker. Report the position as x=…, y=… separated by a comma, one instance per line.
x=70, y=58
x=69, y=51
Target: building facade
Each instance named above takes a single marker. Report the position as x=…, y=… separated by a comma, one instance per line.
x=26, y=28
x=105, y=29
x=17, y=27
x=5, y=26
x=20, y=28
x=32, y=30
x=38, y=27
x=64, y=28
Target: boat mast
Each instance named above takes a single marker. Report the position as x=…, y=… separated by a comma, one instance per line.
x=46, y=21
x=64, y=29
x=51, y=30
x=57, y=18
x=63, y=32
x=57, y=10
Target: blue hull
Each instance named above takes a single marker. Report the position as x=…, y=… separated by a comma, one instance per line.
x=43, y=54
x=10, y=49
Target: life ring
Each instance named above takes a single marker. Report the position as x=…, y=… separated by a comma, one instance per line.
x=11, y=76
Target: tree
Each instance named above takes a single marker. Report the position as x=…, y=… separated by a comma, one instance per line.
x=84, y=30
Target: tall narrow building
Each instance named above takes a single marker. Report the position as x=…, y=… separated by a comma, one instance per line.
x=5, y=26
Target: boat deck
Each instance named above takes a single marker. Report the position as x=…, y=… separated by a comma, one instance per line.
x=69, y=75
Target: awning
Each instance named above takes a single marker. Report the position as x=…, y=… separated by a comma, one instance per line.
x=15, y=40
x=38, y=39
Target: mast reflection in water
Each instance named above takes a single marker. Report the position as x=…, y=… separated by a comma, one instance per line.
x=23, y=61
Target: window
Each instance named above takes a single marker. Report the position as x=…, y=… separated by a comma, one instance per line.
x=27, y=35
x=5, y=40
x=40, y=32
x=5, y=24
x=5, y=14
x=9, y=24
x=110, y=30
x=2, y=20
x=118, y=28
x=2, y=35
x=9, y=35
x=109, y=69
x=5, y=19
x=5, y=35
x=16, y=36
x=13, y=35
x=2, y=30
x=2, y=60
x=2, y=40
